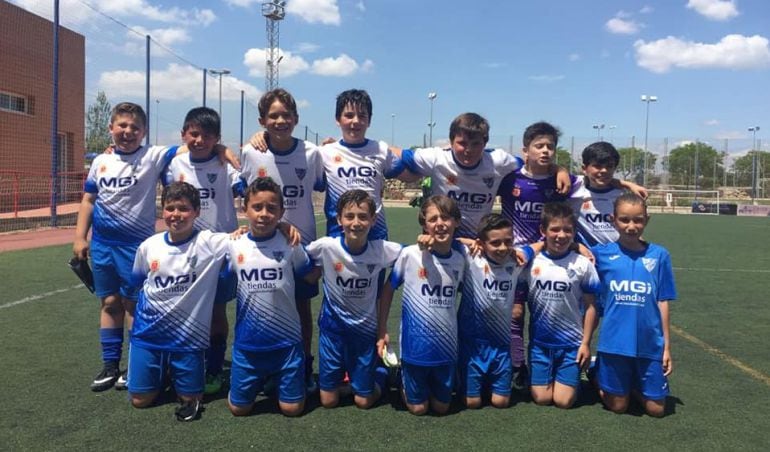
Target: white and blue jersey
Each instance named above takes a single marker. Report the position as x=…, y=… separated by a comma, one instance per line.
x=473, y=188
x=179, y=282
x=594, y=209
x=556, y=287
x=350, y=284
x=633, y=282
x=487, y=300
x=361, y=166
x=266, y=268
x=429, y=304
x=124, y=185
x=299, y=171
x=217, y=185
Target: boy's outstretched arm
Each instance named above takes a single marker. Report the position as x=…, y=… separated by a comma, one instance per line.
x=563, y=182
x=386, y=298
x=258, y=141
x=85, y=217
x=628, y=185
x=668, y=365
x=589, y=326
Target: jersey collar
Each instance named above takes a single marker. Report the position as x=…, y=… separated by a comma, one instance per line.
x=354, y=146
x=261, y=239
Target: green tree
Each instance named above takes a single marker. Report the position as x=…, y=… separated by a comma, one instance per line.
x=693, y=165
x=632, y=164
x=97, y=122
x=743, y=166
x=564, y=158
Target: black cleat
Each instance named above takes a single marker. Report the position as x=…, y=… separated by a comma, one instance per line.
x=106, y=379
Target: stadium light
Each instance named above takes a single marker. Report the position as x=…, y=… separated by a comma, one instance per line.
x=220, y=73
x=753, y=131
x=598, y=128
x=612, y=134
x=647, y=99
x=431, y=96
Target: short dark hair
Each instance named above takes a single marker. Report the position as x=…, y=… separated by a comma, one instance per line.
x=444, y=204
x=553, y=210
x=601, y=153
x=204, y=117
x=540, y=128
x=280, y=95
x=263, y=184
x=356, y=98
x=629, y=197
x=356, y=197
x=491, y=222
x=471, y=124
x=131, y=109
x=176, y=191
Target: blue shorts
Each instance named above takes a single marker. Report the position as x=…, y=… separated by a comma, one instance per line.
x=112, y=266
x=304, y=290
x=227, y=285
x=619, y=375
x=548, y=364
x=250, y=370
x=147, y=369
x=422, y=382
x=338, y=353
x=483, y=364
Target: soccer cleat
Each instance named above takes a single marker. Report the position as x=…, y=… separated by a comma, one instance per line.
x=214, y=384
x=188, y=411
x=520, y=379
x=122, y=383
x=105, y=379
x=389, y=358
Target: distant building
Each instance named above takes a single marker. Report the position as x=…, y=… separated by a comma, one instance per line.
x=26, y=91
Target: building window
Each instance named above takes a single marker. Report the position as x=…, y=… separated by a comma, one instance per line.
x=14, y=103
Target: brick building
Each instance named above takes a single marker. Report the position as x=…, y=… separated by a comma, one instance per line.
x=26, y=90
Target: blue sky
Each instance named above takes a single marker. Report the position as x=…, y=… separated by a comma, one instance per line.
x=574, y=63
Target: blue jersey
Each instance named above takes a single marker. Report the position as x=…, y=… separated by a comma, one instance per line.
x=429, y=304
x=179, y=281
x=350, y=284
x=357, y=166
x=473, y=188
x=633, y=282
x=556, y=285
x=487, y=300
x=124, y=185
x=266, y=316
x=522, y=197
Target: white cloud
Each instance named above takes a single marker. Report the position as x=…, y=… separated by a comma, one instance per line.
x=243, y=3
x=730, y=135
x=315, y=11
x=173, y=83
x=342, y=66
x=302, y=104
x=619, y=26
x=731, y=52
x=289, y=65
x=165, y=36
x=546, y=78
x=574, y=57
x=494, y=65
x=306, y=47
x=646, y=9
x=714, y=9
x=712, y=122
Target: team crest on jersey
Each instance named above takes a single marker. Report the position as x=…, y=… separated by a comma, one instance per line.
x=486, y=269
x=212, y=177
x=509, y=269
x=456, y=275
x=586, y=204
x=300, y=172
x=337, y=159
x=649, y=263
x=516, y=192
x=193, y=261
x=370, y=267
x=241, y=258
x=181, y=178
x=338, y=267
x=451, y=179
x=278, y=255
x=536, y=271
x=154, y=265
x=422, y=273
x=489, y=181
x=262, y=172
x=103, y=169
x=571, y=273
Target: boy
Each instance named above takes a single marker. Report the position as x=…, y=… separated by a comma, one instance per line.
x=348, y=322
x=268, y=336
x=634, y=351
x=296, y=166
x=561, y=286
x=119, y=201
x=177, y=271
x=485, y=313
x=217, y=184
x=467, y=173
x=428, y=321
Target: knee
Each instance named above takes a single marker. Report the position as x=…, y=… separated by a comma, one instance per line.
x=365, y=402
x=329, y=399
x=418, y=409
x=564, y=404
x=542, y=398
x=655, y=408
x=113, y=306
x=473, y=402
x=292, y=409
x=439, y=408
x=239, y=410
x=499, y=401
x=617, y=405
x=142, y=400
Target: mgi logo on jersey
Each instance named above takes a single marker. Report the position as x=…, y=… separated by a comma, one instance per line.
x=649, y=263
x=212, y=177
x=489, y=181
x=300, y=172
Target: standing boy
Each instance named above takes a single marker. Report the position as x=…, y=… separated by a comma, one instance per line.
x=348, y=323
x=177, y=271
x=268, y=333
x=634, y=351
x=560, y=286
x=429, y=309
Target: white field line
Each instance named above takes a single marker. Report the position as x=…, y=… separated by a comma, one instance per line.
x=39, y=296
x=722, y=270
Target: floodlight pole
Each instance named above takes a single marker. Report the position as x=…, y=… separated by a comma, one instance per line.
x=647, y=99
x=220, y=73
x=598, y=128
x=274, y=12
x=392, y=128
x=431, y=96
x=753, y=131
x=612, y=134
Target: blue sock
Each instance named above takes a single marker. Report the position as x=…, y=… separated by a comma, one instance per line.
x=215, y=354
x=112, y=344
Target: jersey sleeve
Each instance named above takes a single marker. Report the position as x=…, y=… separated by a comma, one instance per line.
x=508, y=162
x=667, y=288
x=90, y=185
x=247, y=164
x=577, y=189
x=300, y=261
x=313, y=250
x=392, y=166
x=315, y=166
x=589, y=281
x=391, y=252
x=141, y=266
x=161, y=156
x=219, y=243
x=399, y=269
x=419, y=161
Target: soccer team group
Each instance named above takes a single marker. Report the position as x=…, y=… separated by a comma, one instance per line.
x=570, y=249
